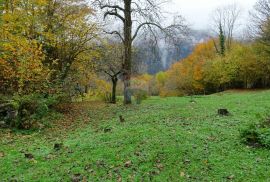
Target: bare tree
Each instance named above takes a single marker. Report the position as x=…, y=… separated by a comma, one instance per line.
x=111, y=63
x=225, y=18
x=135, y=16
x=260, y=26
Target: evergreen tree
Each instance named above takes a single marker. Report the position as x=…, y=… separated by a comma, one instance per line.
x=221, y=40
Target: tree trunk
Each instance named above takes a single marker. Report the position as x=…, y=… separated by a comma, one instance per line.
x=128, y=52
x=114, y=82
x=86, y=89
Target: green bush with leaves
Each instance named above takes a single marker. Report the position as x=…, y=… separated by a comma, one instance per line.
x=257, y=135
x=30, y=109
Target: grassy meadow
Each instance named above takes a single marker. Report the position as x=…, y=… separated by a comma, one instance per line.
x=163, y=139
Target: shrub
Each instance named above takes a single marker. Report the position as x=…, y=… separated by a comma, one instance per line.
x=30, y=109
x=103, y=90
x=257, y=135
x=139, y=95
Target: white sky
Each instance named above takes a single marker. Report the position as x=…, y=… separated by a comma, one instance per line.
x=197, y=12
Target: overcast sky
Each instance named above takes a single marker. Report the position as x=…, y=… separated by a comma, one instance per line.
x=197, y=12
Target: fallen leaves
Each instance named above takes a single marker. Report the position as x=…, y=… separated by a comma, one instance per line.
x=231, y=177
x=187, y=161
x=182, y=174
x=128, y=164
x=50, y=157
x=76, y=178
x=2, y=154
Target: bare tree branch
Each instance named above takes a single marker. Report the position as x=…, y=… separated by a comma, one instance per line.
x=114, y=13
x=143, y=24
x=116, y=33
x=113, y=7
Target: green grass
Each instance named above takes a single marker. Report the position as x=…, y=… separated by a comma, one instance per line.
x=166, y=139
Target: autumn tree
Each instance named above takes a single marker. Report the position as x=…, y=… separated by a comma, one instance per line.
x=69, y=32
x=44, y=35
x=187, y=75
x=135, y=16
x=82, y=75
x=22, y=68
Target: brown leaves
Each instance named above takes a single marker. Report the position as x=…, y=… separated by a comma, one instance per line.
x=2, y=154
x=77, y=178
x=128, y=164
x=231, y=177
x=182, y=174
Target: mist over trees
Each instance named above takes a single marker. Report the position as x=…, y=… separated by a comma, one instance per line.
x=152, y=58
x=136, y=17
x=72, y=50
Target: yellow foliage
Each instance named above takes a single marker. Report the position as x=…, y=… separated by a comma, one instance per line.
x=186, y=76
x=142, y=82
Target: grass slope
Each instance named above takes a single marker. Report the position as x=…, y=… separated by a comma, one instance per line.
x=168, y=139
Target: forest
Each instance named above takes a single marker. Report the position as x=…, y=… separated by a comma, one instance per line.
x=123, y=90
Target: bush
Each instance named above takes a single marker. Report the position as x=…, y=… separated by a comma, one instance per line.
x=30, y=109
x=103, y=90
x=139, y=95
x=257, y=135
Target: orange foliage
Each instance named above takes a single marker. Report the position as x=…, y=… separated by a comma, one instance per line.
x=186, y=76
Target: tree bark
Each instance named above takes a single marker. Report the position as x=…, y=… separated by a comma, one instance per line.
x=114, y=82
x=128, y=52
x=86, y=89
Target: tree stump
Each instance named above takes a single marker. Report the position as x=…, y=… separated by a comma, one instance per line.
x=223, y=112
